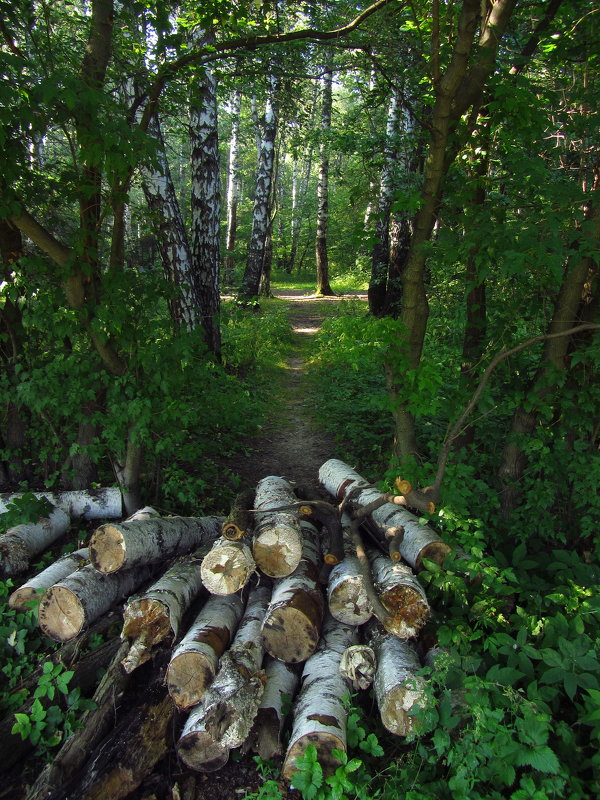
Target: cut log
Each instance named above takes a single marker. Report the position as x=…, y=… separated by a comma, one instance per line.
x=83, y=503
x=30, y=592
x=82, y=597
x=346, y=595
x=419, y=540
x=124, y=545
x=358, y=665
x=155, y=614
x=228, y=567
x=195, y=661
x=319, y=713
x=401, y=594
x=239, y=522
x=398, y=690
x=197, y=748
x=277, y=543
x=291, y=627
x=19, y=544
x=280, y=687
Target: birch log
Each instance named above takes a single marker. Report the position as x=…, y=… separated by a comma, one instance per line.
x=19, y=544
x=82, y=597
x=358, y=664
x=280, y=687
x=346, y=595
x=239, y=522
x=22, y=598
x=401, y=594
x=291, y=627
x=419, y=540
x=195, y=661
x=156, y=613
x=277, y=544
x=84, y=503
x=124, y=545
x=228, y=567
x=319, y=713
x=197, y=748
x=398, y=690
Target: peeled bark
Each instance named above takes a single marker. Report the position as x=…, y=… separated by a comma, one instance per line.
x=419, y=540
x=154, y=615
x=85, y=504
x=228, y=567
x=398, y=690
x=401, y=594
x=277, y=544
x=319, y=713
x=124, y=545
x=292, y=623
x=19, y=544
x=195, y=660
x=358, y=665
x=280, y=688
x=23, y=597
x=76, y=601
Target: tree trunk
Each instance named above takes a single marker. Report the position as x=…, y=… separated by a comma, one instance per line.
x=228, y=567
x=90, y=504
x=233, y=184
x=277, y=543
x=280, y=687
x=401, y=594
x=195, y=660
x=323, y=287
x=152, y=616
x=26, y=595
x=292, y=624
x=19, y=544
x=319, y=712
x=117, y=546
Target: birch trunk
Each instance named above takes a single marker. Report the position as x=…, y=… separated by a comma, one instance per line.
x=398, y=690
x=419, y=541
x=322, y=260
x=19, y=544
x=401, y=594
x=23, y=597
x=277, y=543
x=292, y=623
x=151, y=617
x=88, y=504
x=319, y=713
x=122, y=546
x=233, y=184
x=228, y=567
x=280, y=688
x=76, y=601
x=195, y=660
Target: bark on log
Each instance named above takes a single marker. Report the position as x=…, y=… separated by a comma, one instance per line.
x=291, y=627
x=398, y=690
x=228, y=567
x=197, y=748
x=124, y=545
x=280, y=687
x=346, y=595
x=19, y=544
x=28, y=593
x=277, y=544
x=401, y=594
x=239, y=522
x=155, y=614
x=81, y=598
x=358, y=665
x=195, y=661
x=319, y=713
x=85, y=504
x=419, y=541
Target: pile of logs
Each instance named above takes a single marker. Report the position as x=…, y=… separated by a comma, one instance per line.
x=288, y=598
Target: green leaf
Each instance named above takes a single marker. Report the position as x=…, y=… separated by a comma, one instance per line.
x=542, y=759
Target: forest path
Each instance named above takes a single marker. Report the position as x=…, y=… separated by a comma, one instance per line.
x=291, y=444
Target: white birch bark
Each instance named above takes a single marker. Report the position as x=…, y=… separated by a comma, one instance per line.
x=319, y=712
x=228, y=567
x=401, y=594
x=122, y=546
x=280, y=687
x=277, y=545
x=292, y=623
x=322, y=260
x=23, y=597
x=78, y=504
x=195, y=660
x=19, y=544
x=233, y=183
x=419, y=542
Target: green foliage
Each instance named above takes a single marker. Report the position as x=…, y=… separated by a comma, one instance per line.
x=24, y=509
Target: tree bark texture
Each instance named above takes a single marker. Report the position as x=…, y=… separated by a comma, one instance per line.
x=19, y=544
x=233, y=184
x=292, y=623
x=277, y=543
x=401, y=594
x=89, y=504
x=125, y=545
x=319, y=712
x=24, y=597
x=228, y=567
x=322, y=259
x=195, y=660
x=280, y=687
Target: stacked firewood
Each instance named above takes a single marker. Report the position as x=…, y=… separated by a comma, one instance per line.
x=286, y=598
